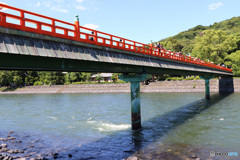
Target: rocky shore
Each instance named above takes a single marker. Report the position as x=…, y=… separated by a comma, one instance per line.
x=190, y=86
x=26, y=148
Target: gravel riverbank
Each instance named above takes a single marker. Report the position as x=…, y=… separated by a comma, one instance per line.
x=190, y=86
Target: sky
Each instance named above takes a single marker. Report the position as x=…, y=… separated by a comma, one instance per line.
x=138, y=20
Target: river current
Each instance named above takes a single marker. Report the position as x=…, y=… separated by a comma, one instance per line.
x=98, y=126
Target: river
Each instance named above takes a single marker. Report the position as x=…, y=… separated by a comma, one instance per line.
x=97, y=126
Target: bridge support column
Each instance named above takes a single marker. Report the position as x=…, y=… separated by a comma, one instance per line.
x=135, y=96
x=207, y=88
x=226, y=84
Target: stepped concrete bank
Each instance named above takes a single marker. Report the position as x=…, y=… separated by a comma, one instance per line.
x=155, y=87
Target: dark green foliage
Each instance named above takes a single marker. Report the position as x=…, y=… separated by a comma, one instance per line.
x=22, y=78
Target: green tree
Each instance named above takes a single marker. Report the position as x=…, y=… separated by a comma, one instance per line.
x=99, y=78
x=31, y=77
x=51, y=77
x=114, y=77
x=17, y=80
x=173, y=44
x=85, y=76
x=6, y=78
x=214, y=45
x=233, y=60
x=73, y=77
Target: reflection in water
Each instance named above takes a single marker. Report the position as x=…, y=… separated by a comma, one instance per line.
x=145, y=143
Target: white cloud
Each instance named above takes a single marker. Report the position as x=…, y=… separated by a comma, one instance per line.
x=38, y=4
x=91, y=26
x=80, y=8
x=59, y=1
x=80, y=1
x=59, y=9
x=214, y=6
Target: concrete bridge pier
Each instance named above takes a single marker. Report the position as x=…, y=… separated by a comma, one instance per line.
x=207, y=88
x=135, y=96
x=226, y=84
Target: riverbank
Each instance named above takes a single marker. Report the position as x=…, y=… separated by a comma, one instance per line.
x=186, y=86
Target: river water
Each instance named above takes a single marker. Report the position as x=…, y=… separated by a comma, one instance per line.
x=97, y=126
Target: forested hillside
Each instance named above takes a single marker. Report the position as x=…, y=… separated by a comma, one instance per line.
x=218, y=43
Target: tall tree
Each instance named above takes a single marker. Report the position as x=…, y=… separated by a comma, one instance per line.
x=233, y=60
x=214, y=45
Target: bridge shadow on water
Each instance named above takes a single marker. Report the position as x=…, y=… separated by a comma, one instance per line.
x=123, y=144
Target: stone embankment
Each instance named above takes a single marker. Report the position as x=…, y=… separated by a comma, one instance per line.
x=155, y=87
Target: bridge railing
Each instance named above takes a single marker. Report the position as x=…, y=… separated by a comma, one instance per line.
x=50, y=26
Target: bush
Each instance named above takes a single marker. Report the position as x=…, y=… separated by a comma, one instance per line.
x=120, y=81
x=194, y=85
x=197, y=78
x=174, y=79
x=37, y=83
x=190, y=78
x=193, y=78
x=67, y=83
x=77, y=83
x=163, y=77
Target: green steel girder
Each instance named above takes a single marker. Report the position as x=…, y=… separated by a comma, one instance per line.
x=26, y=62
x=40, y=63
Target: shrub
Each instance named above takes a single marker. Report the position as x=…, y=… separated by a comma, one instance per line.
x=67, y=83
x=189, y=78
x=194, y=85
x=37, y=83
x=174, y=79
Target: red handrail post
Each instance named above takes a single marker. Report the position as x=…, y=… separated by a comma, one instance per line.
x=96, y=36
x=39, y=27
x=123, y=43
x=77, y=28
x=3, y=19
x=150, y=48
x=134, y=46
x=111, y=40
x=65, y=32
x=22, y=21
x=53, y=28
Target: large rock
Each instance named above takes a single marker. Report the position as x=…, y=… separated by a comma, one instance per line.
x=11, y=151
x=4, y=150
x=11, y=138
x=3, y=145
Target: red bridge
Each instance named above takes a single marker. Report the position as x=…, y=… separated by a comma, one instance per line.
x=61, y=29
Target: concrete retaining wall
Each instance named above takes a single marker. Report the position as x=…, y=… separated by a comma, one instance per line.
x=156, y=87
